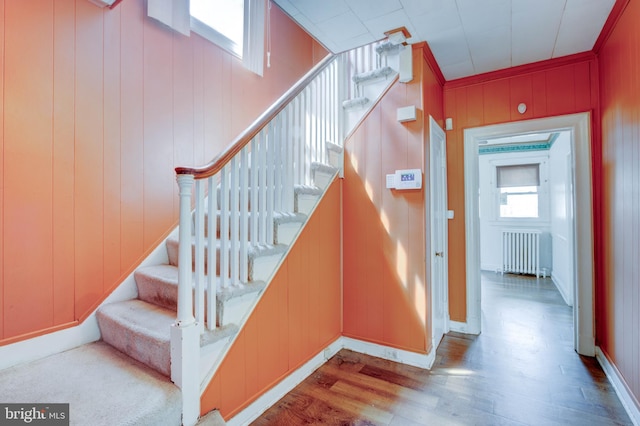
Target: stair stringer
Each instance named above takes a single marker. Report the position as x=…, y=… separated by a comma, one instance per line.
x=217, y=360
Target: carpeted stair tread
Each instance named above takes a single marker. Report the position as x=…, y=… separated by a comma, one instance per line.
x=158, y=284
x=253, y=252
x=279, y=218
x=308, y=190
x=323, y=168
x=139, y=329
x=212, y=336
x=334, y=147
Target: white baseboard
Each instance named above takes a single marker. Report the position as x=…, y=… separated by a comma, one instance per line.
x=85, y=332
x=389, y=353
x=260, y=405
x=560, y=285
x=628, y=400
x=462, y=327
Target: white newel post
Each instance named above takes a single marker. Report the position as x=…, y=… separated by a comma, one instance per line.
x=185, y=333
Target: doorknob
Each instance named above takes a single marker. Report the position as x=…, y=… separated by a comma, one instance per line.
x=440, y=254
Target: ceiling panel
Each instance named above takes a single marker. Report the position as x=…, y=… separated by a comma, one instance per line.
x=467, y=37
x=369, y=9
x=378, y=26
x=318, y=11
x=573, y=35
x=343, y=27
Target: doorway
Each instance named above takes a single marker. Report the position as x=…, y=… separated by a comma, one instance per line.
x=579, y=126
x=437, y=224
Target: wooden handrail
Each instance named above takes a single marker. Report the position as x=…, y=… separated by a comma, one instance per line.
x=215, y=165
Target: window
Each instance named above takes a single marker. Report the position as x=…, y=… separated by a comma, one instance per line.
x=235, y=25
x=220, y=21
x=518, y=190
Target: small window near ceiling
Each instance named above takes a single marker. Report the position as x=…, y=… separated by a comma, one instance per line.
x=220, y=21
x=518, y=190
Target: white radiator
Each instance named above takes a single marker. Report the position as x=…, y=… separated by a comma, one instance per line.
x=521, y=251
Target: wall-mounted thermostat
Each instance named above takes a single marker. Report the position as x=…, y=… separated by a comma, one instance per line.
x=405, y=179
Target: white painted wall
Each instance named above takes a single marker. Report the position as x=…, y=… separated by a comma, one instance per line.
x=560, y=165
x=491, y=225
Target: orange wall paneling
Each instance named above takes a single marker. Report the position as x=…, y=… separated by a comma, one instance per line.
x=385, y=286
x=98, y=107
x=548, y=90
x=296, y=318
x=618, y=296
x=27, y=167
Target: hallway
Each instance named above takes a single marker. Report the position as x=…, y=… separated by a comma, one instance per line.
x=522, y=369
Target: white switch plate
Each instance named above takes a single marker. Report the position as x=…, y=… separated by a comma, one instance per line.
x=449, y=214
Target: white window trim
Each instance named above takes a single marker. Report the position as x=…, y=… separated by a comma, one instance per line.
x=252, y=51
x=543, y=192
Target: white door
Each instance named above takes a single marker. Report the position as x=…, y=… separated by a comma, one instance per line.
x=438, y=230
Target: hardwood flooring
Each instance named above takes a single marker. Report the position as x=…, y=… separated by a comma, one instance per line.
x=522, y=369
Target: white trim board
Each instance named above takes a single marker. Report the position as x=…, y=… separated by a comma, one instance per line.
x=273, y=395
x=462, y=327
x=628, y=400
x=583, y=285
x=85, y=332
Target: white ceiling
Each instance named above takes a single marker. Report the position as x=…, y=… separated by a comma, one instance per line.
x=467, y=37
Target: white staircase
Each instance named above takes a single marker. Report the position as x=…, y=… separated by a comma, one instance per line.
x=250, y=204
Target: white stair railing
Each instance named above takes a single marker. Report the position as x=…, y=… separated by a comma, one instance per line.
x=238, y=194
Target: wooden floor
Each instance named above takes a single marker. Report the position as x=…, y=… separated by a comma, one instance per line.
x=522, y=369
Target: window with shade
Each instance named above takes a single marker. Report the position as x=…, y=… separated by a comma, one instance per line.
x=518, y=187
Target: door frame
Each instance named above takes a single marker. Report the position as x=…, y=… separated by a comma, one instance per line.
x=582, y=206
x=436, y=131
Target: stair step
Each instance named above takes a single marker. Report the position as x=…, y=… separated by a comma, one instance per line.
x=355, y=103
x=334, y=147
x=306, y=198
x=256, y=255
x=372, y=75
x=143, y=331
x=322, y=174
x=159, y=285
x=388, y=48
x=334, y=154
x=284, y=223
x=140, y=330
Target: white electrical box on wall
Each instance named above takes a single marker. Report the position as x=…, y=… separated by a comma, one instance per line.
x=405, y=179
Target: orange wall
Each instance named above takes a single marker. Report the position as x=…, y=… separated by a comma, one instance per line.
x=618, y=297
x=491, y=99
x=385, y=284
x=297, y=317
x=98, y=106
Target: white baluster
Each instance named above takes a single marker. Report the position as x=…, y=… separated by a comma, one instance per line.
x=224, y=227
x=277, y=161
x=244, y=213
x=271, y=150
x=199, y=252
x=212, y=228
x=263, y=188
x=233, y=218
x=255, y=170
x=290, y=159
